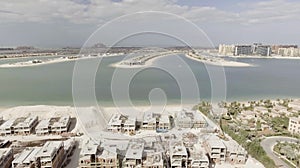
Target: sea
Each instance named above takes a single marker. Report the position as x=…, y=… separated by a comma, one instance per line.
x=167, y=79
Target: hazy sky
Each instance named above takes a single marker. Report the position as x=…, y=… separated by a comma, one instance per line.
x=61, y=23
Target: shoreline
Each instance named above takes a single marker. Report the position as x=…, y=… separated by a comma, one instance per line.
x=50, y=61
x=223, y=63
x=261, y=57
x=147, y=64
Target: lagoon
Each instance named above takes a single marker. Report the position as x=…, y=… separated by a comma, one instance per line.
x=51, y=84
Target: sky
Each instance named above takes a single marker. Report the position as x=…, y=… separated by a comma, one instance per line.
x=75, y=23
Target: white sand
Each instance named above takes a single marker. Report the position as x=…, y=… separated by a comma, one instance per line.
x=147, y=64
x=50, y=61
x=29, y=63
x=221, y=62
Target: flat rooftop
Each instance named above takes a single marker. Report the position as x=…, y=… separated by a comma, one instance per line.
x=7, y=124
x=4, y=152
x=115, y=120
x=43, y=124
x=177, y=148
x=89, y=148
x=27, y=155
x=49, y=148
x=135, y=150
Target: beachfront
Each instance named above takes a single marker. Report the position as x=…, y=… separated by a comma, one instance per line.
x=81, y=133
x=177, y=121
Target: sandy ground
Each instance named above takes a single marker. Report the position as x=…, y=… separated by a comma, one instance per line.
x=222, y=62
x=50, y=61
x=147, y=64
x=29, y=63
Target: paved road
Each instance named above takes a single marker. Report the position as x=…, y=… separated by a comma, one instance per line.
x=268, y=145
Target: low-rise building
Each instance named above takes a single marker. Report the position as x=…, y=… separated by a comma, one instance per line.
x=109, y=158
x=61, y=126
x=27, y=158
x=55, y=125
x=89, y=155
x=215, y=149
x=294, y=125
x=153, y=159
x=26, y=126
x=235, y=154
x=69, y=146
x=7, y=127
x=159, y=122
x=150, y=121
x=115, y=123
x=198, y=157
x=134, y=154
x=164, y=123
x=190, y=119
x=122, y=123
x=178, y=154
x=43, y=127
x=52, y=154
x=6, y=157
x=130, y=125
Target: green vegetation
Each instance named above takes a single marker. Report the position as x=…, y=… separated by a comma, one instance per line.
x=205, y=108
x=290, y=151
x=280, y=124
x=253, y=146
x=261, y=118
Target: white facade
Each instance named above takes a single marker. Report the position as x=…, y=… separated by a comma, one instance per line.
x=189, y=119
x=294, y=125
x=51, y=154
x=216, y=149
x=289, y=52
x=43, y=127
x=122, y=123
x=53, y=125
x=27, y=158
x=226, y=49
x=134, y=154
x=27, y=126
x=62, y=125
x=6, y=157
x=149, y=121
x=198, y=158
x=7, y=127
x=178, y=154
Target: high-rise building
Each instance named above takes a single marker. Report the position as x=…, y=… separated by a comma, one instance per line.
x=226, y=49
x=275, y=48
x=289, y=52
x=263, y=50
x=242, y=50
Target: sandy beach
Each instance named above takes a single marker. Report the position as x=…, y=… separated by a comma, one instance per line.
x=147, y=64
x=221, y=62
x=51, y=61
x=29, y=63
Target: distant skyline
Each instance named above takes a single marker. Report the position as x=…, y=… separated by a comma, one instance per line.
x=62, y=23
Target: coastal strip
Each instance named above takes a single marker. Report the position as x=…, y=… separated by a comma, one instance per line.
x=216, y=61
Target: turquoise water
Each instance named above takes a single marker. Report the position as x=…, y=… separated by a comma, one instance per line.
x=52, y=84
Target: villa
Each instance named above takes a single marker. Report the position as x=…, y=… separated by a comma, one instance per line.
x=6, y=157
